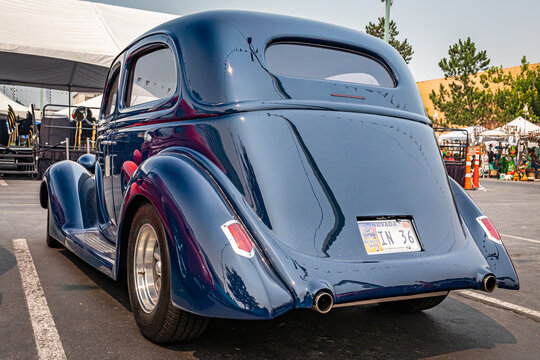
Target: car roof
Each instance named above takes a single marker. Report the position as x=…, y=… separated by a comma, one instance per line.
x=207, y=41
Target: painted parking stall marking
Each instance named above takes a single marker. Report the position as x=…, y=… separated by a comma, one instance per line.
x=45, y=334
x=501, y=304
x=3, y=182
x=521, y=238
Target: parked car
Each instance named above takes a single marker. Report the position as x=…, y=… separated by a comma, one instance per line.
x=251, y=164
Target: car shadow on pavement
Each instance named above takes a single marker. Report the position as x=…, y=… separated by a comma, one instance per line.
x=116, y=289
x=368, y=332
x=7, y=262
x=352, y=333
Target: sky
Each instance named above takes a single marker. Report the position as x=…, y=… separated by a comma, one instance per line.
x=506, y=29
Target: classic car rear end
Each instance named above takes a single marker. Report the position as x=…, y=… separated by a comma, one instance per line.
x=251, y=164
x=385, y=174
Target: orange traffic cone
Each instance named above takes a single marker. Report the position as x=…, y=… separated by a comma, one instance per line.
x=468, y=185
x=476, y=175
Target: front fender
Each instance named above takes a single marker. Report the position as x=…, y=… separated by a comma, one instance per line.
x=71, y=198
x=496, y=255
x=207, y=277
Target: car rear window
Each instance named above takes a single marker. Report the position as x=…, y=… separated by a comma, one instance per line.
x=327, y=63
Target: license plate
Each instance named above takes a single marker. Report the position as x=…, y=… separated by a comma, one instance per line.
x=388, y=236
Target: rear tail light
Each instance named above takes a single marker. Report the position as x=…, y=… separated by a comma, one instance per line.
x=238, y=238
x=489, y=229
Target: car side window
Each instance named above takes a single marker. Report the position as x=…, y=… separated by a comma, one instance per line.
x=152, y=76
x=112, y=94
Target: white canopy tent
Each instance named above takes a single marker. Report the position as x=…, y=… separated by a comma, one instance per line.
x=454, y=135
x=519, y=125
x=461, y=135
x=66, y=44
x=494, y=134
x=19, y=109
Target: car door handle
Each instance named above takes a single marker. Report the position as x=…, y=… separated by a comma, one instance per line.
x=108, y=142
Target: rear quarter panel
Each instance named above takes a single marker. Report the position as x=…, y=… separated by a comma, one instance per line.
x=207, y=277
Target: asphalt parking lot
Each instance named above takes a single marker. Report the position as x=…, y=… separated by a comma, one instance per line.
x=93, y=320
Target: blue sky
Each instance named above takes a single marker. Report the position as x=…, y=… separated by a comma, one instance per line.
x=506, y=29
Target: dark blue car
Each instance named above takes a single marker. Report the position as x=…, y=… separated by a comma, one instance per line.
x=251, y=164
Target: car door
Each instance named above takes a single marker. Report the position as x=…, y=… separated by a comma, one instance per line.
x=104, y=141
x=149, y=90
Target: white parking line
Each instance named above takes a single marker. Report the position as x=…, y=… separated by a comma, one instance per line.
x=3, y=182
x=499, y=303
x=521, y=238
x=45, y=334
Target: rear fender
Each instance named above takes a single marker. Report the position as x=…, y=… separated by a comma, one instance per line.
x=207, y=277
x=496, y=255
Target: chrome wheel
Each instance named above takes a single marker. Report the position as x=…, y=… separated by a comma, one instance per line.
x=147, y=268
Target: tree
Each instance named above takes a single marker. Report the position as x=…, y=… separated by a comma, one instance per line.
x=403, y=47
x=463, y=101
x=516, y=95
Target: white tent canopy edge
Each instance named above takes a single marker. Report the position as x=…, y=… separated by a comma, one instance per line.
x=19, y=109
x=66, y=44
x=460, y=133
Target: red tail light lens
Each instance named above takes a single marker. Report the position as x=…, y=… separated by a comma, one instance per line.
x=238, y=238
x=489, y=229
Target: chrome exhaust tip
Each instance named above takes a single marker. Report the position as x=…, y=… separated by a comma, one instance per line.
x=323, y=302
x=489, y=283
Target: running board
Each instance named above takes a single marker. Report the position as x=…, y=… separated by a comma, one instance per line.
x=93, y=247
x=393, y=298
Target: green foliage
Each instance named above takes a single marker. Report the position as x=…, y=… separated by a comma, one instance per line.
x=403, y=47
x=464, y=60
x=467, y=99
x=492, y=98
x=516, y=95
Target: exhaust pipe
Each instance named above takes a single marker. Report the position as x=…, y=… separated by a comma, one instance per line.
x=489, y=283
x=323, y=302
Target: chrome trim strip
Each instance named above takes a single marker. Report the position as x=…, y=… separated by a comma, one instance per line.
x=393, y=298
